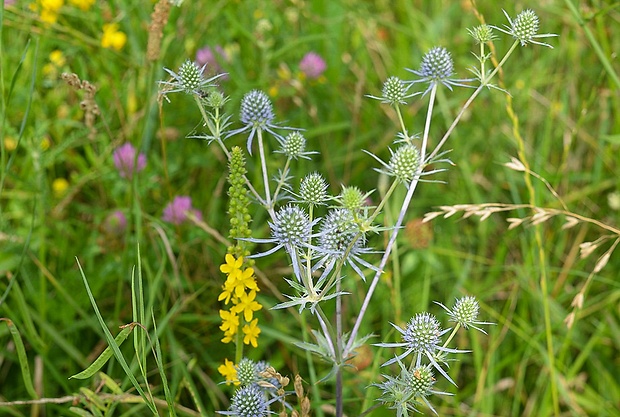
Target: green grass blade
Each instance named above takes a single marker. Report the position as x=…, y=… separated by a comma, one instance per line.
x=110, y=339
x=105, y=356
x=162, y=373
x=23, y=359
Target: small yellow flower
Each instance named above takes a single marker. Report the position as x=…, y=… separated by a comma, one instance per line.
x=59, y=187
x=57, y=61
x=52, y=4
x=57, y=58
x=112, y=37
x=232, y=265
x=248, y=305
x=229, y=372
x=228, y=337
x=10, y=144
x=251, y=332
x=273, y=91
x=245, y=280
x=230, y=322
x=227, y=289
x=49, y=16
x=48, y=9
x=82, y=4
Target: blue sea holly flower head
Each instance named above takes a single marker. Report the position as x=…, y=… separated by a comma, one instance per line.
x=524, y=28
x=437, y=67
x=404, y=165
x=341, y=238
x=313, y=190
x=190, y=80
x=246, y=372
x=394, y=92
x=250, y=401
x=409, y=390
x=257, y=114
x=293, y=146
x=396, y=395
x=291, y=229
x=422, y=337
x=482, y=34
x=465, y=313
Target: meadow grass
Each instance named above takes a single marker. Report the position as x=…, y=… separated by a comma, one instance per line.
x=59, y=186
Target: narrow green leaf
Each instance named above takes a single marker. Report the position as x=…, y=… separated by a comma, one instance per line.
x=110, y=339
x=80, y=412
x=110, y=384
x=94, y=400
x=162, y=373
x=105, y=355
x=21, y=356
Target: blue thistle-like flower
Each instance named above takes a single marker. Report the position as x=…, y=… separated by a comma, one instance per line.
x=396, y=395
x=190, y=80
x=215, y=99
x=524, y=28
x=409, y=390
x=394, y=92
x=421, y=381
x=437, y=67
x=465, y=313
x=422, y=337
x=249, y=401
x=290, y=228
x=482, y=34
x=257, y=114
x=340, y=238
x=256, y=109
x=352, y=198
x=404, y=164
x=293, y=146
x=313, y=190
x=246, y=372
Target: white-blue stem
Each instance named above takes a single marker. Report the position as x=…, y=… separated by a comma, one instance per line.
x=399, y=222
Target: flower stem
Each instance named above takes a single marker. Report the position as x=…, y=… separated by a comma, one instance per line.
x=263, y=164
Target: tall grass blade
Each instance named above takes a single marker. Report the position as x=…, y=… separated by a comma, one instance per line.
x=22, y=357
x=105, y=356
x=162, y=372
x=115, y=348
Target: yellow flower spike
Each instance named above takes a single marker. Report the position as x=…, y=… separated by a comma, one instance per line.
x=251, y=332
x=229, y=372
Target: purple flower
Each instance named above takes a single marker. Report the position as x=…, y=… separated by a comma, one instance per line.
x=115, y=223
x=176, y=211
x=312, y=65
x=212, y=58
x=124, y=158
